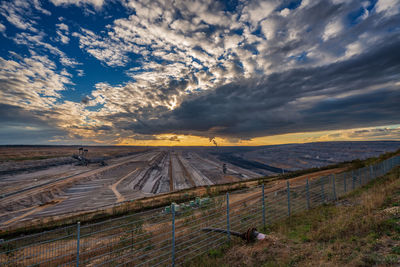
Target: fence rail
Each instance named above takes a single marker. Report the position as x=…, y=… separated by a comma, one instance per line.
x=174, y=236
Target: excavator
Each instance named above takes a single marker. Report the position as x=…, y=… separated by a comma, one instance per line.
x=83, y=160
x=82, y=156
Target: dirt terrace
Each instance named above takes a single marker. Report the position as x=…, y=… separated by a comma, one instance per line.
x=70, y=189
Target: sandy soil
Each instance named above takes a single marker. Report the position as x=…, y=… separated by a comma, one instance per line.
x=113, y=187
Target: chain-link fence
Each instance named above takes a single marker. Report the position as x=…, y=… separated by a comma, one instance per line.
x=175, y=234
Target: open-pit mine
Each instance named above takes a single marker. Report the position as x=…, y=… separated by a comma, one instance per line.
x=83, y=179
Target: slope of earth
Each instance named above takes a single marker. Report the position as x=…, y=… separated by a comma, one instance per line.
x=361, y=229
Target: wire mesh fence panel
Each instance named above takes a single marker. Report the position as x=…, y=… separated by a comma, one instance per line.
x=299, y=195
x=161, y=237
x=277, y=207
x=341, y=184
x=190, y=235
x=138, y=234
x=246, y=216
x=50, y=247
x=317, y=194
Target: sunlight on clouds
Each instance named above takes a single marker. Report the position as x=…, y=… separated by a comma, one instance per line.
x=390, y=132
x=173, y=103
x=332, y=29
x=178, y=73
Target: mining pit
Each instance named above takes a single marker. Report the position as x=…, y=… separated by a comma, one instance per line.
x=33, y=187
x=69, y=188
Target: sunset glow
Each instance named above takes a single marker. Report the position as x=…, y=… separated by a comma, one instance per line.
x=183, y=73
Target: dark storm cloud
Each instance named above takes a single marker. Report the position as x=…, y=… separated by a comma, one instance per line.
x=19, y=126
x=362, y=91
x=14, y=115
x=385, y=133
x=234, y=69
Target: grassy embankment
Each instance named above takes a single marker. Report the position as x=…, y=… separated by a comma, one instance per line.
x=361, y=229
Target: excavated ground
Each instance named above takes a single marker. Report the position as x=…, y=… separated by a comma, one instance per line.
x=30, y=189
x=68, y=189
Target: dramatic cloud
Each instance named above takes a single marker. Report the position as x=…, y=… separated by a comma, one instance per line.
x=309, y=99
x=201, y=68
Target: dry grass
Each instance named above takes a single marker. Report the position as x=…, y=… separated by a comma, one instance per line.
x=362, y=229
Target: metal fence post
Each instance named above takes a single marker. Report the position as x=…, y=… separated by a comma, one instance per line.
x=308, y=194
x=227, y=217
x=322, y=190
x=378, y=169
x=288, y=197
x=345, y=183
x=173, y=234
x=384, y=168
x=370, y=172
x=334, y=186
x=78, y=235
x=365, y=176
x=132, y=240
x=263, y=206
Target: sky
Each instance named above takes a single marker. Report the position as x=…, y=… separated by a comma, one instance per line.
x=124, y=72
